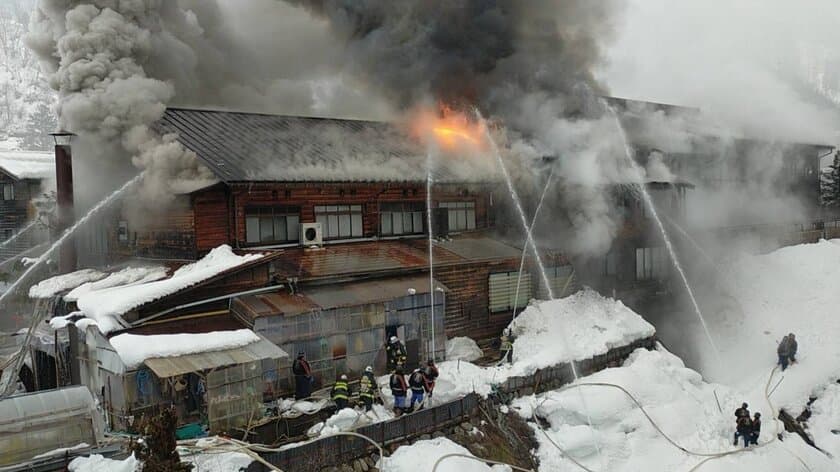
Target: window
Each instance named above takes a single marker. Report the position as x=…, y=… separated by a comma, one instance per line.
x=561, y=279
x=609, y=264
x=340, y=221
x=503, y=295
x=401, y=218
x=461, y=215
x=651, y=263
x=8, y=191
x=272, y=225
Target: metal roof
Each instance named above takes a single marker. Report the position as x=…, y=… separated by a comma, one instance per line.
x=333, y=296
x=165, y=367
x=240, y=147
x=480, y=249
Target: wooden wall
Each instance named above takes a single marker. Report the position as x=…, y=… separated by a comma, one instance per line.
x=467, y=302
x=216, y=223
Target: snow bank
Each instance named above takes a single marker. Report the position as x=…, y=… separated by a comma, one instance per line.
x=133, y=349
x=462, y=348
x=98, y=463
x=125, y=276
x=590, y=323
x=101, y=305
x=577, y=327
x=422, y=455
x=214, y=460
x=679, y=401
x=794, y=289
x=52, y=286
x=348, y=419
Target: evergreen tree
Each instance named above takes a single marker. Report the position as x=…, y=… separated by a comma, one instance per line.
x=156, y=451
x=830, y=184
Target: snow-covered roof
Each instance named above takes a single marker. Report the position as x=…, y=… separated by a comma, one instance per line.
x=52, y=286
x=104, y=305
x=28, y=164
x=136, y=349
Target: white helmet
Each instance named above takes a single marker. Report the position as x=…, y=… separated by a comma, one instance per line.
x=368, y=369
x=343, y=376
x=394, y=339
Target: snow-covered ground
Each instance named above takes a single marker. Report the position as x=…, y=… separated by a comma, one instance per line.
x=422, y=455
x=758, y=300
x=679, y=402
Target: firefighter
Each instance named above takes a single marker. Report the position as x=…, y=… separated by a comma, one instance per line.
x=368, y=388
x=756, y=428
x=399, y=389
x=742, y=424
x=417, y=383
x=430, y=373
x=341, y=392
x=303, y=377
x=396, y=352
x=506, y=346
x=787, y=350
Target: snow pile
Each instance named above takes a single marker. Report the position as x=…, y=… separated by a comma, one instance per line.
x=577, y=327
x=52, y=286
x=134, y=349
x=98, y=463
x=462, y=348
x=129, y=275
x=214, y=460
x=824, y=424
x=101, y=305
x=679, y=402
x=348, y=419
x=422, y=455
x=590, y=323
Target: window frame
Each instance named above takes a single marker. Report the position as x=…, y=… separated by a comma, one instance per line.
x=410, y=214
x=270, y=216
x=335, y=216
x=526, y=289
x=461, y=215
x=654, y=265
x=8, y=191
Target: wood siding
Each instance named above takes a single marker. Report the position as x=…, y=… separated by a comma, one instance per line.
x=217, y=224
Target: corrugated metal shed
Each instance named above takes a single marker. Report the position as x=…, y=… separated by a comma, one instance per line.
x=165, y=367
x=241, y=147
x=333, y=296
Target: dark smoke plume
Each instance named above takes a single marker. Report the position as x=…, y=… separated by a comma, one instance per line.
x=528, y=64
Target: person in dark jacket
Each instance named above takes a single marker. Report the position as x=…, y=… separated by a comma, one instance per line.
x=368, y=388
x=399, y=389
x=341, y=392
x=740, y=414
x=756, y=428
x=396, y=353
x=787, y=350
x=431, y=374
x=417, y=383
x=303, y=377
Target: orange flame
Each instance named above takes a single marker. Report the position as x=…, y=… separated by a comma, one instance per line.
x=451, y=130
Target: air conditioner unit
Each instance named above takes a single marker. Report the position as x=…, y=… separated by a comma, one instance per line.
x=311, y=234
